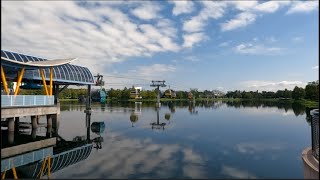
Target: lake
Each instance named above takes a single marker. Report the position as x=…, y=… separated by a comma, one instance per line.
x=207, y=140
x=211, y=139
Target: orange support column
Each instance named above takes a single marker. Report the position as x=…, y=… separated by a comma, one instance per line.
x=51, y=84
x=19, y=81
x=4, y=81
x=44, y=82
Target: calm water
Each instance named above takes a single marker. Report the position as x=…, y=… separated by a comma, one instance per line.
x=208, y=140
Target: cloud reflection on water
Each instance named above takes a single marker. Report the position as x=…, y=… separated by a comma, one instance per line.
x=126, y=157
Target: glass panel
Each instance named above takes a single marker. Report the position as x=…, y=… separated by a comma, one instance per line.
x=3, y=54
x=66, y=76
x=69, y=72
x=24, y=58
x=36, y=59
x=58, y=73
x=17, y=57
x=10, y=56
x=29, y=58
x=73, y=72
x=84, y=74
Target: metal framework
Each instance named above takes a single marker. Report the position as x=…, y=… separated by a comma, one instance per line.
x=60, y=71
x=158, y=84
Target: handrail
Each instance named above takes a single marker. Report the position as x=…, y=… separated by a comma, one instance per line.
x=26, y=100
x=315, y=132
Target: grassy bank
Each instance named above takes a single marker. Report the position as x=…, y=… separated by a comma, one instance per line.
x=68, y=99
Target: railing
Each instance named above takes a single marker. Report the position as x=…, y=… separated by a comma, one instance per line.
x=26, y=100
x=315, y=132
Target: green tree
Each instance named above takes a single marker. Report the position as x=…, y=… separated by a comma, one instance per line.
x=312, y=91
x=298, y=93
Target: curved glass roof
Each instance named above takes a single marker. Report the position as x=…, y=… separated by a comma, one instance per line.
x=58, y=161
x=62, y=73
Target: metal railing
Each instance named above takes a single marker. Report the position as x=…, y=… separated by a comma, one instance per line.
x=26, y=100
x=315, y=132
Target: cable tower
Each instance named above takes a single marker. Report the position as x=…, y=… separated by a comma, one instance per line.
x=158, y=84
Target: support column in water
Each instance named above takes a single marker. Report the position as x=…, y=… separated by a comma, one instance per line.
x=88, y=112
x=34, y=122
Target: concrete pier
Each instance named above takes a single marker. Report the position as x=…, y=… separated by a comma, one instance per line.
x=10, y=137
x=34, y=122
x=49, y=120
x=10, y=124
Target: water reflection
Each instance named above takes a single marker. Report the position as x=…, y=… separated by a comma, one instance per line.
x=65, y=153
x=157, y=124
x=225, y=140
x=98, y=128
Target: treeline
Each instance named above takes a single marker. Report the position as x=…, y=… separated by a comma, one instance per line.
x=310, y=92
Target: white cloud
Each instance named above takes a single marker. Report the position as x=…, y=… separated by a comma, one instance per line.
x=257, y=49
x=123, y=157
x=303, y=7
x=210, y=9
x=237, y=173
x=182, y=7
x=270, y=6
x=155, y=70
x=270, y=85
x=224, y=44
x=315, y=67
x=244, y=5
x=98, y=36
x=297, y=39
x=147, y=11
x=191, y=39
x=241, y=20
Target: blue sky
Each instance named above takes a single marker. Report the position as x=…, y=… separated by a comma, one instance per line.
x=228, y=45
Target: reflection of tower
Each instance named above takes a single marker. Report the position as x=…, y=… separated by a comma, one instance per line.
x=158, y=84
x=157, y=125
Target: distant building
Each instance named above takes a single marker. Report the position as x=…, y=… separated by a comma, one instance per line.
x=135, y=92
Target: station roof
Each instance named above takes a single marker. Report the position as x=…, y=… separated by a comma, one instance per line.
x=63, y=71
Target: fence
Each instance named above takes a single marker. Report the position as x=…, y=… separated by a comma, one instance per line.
x=315, y=132
x=26, y=100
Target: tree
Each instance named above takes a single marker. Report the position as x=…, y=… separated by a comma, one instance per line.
x=298, y=93
x=312, y=91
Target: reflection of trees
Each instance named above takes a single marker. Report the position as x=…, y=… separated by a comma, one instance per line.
x=298, y=109
x=192, y=108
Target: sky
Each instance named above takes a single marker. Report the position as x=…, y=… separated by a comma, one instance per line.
x=225, y=45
